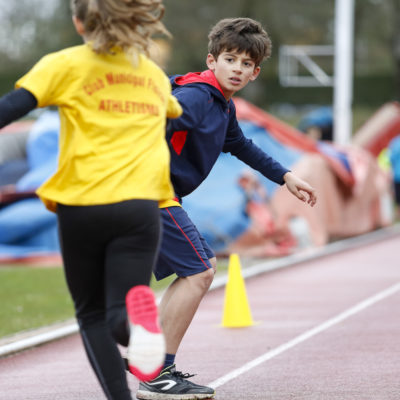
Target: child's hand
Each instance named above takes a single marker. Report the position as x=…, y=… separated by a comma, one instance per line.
x=296, y=186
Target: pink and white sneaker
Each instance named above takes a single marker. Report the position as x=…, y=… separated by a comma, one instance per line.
x=146, y=349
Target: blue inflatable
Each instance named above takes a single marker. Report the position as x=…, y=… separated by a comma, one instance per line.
x=26, y=227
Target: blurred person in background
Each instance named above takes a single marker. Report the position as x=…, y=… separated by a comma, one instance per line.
x=318, y=124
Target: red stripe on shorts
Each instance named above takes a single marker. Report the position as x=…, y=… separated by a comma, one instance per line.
x=184, y=234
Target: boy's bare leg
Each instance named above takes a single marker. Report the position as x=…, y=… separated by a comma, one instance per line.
x=177, y=308
x=180, y=303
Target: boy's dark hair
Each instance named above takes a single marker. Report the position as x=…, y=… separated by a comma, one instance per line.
x=242, y=35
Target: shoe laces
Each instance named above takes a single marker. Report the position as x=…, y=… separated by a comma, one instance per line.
x=181, y=375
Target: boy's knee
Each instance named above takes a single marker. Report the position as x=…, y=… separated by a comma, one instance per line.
x=213, y=262
x=210, y=276
x=204, y=279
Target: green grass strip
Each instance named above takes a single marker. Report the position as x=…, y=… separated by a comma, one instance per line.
x=33, y=297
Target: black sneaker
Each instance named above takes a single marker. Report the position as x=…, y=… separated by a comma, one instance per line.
x=173, y=385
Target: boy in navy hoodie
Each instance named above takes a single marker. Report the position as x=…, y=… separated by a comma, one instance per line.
x=207, y=127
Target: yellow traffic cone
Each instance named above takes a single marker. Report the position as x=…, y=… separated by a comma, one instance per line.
x=237, y=312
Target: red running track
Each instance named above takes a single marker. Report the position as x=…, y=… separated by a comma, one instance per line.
x=328, y=330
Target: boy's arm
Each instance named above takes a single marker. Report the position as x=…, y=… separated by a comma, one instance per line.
x=245, y=150
x=15, y=105
x=297, y=186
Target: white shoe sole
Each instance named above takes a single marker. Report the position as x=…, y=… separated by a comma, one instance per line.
x=146, y=352
x=146, y=395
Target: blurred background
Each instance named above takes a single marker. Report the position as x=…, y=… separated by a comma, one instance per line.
x=31, y=28
x=288, y=111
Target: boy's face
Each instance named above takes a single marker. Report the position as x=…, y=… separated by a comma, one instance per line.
x=233, y=71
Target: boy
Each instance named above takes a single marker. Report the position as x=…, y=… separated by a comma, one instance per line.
x=207, y=126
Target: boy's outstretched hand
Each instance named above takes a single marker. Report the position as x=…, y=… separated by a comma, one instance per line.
x=296, y=186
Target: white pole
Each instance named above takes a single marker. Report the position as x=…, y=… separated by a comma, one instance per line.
x=343, y=79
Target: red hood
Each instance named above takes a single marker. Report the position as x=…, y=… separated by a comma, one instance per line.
x=199, y=77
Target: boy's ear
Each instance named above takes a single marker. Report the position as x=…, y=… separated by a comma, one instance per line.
x=78, y=25
x=210, y=62
x=256, y=72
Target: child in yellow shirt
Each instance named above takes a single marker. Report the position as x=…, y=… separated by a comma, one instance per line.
x=113, y=170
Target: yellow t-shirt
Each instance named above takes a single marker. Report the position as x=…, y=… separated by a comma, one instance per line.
x=169, y=203
x=113, y=116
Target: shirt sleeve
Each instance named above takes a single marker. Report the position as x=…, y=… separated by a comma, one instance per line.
x=248, y=152
x=15, y=105
x=192, y=101
x=47, y=79
x=174, y=109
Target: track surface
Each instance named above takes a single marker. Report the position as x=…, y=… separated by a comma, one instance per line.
x=327, y=329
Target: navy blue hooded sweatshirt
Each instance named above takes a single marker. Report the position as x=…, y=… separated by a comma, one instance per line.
x=207, y=127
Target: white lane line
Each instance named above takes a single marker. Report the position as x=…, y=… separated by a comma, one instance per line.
x=38, y=339
x=306, y=335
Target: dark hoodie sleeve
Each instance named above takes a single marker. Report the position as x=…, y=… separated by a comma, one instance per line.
x=192, y=101
x=15, y=105
x=245, y=150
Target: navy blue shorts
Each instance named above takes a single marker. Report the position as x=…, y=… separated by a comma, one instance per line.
x=183, y=250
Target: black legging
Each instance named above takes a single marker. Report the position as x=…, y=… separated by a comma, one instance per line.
x=107, y=249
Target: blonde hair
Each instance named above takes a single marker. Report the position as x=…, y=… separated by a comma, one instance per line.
x=127, y=24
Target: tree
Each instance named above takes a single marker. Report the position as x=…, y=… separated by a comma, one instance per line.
x=396, y=43
x=31, y=28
